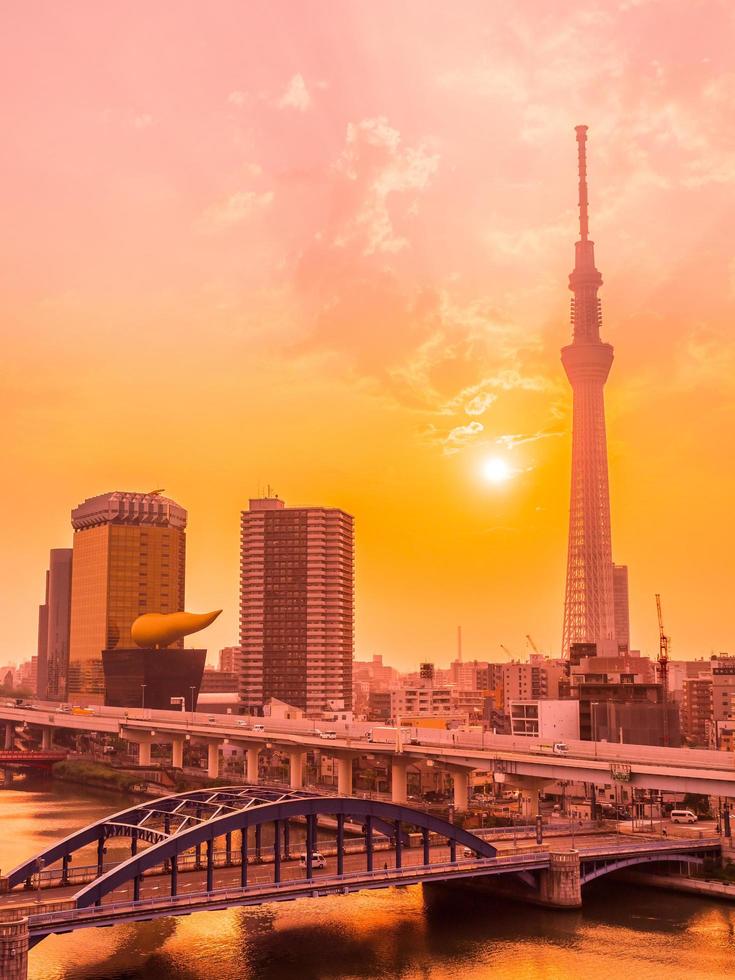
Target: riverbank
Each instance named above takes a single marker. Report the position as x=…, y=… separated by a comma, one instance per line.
x=94, y=774
x=693, y=886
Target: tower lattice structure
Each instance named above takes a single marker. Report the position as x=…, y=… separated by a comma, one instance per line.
x=589, y=615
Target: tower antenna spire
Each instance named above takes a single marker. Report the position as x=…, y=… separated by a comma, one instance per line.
x=582, y=159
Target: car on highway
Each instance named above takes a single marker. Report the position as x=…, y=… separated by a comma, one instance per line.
x=258, y=728
x=317, y=860
x=243, y=724
x=327, y=734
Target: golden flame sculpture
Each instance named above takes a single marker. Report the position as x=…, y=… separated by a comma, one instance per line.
x=162, y=629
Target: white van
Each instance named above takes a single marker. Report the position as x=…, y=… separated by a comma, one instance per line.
x=683, y=816
x=317, y=860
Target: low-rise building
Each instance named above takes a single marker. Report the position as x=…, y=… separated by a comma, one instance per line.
x=552, y=719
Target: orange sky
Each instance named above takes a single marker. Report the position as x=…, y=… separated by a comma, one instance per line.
x=325, y=245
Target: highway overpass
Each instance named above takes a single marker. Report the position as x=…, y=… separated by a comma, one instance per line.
x=526, y=763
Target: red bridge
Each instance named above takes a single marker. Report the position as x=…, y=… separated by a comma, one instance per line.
x=17, y=759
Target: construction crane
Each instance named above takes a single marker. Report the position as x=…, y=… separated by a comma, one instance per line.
x=531, y=643
x=506, y=650
x=664, y=646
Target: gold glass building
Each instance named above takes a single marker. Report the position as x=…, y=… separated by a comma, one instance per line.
x=129, y=559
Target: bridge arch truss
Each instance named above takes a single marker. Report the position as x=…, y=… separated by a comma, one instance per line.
x=187, y=823
x=596, y=868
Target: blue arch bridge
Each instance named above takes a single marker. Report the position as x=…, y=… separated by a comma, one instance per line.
x=244, y=845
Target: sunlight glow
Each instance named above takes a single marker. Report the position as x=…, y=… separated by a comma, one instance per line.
x=496, y=470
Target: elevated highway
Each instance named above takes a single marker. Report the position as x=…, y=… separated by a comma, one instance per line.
x=525, y=762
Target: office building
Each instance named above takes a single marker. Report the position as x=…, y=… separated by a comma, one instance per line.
x=128, y=559
x=696, y=710
x=539, y=678
x=53, y=627
x=296, y=606
x=551, y=719
x=229, y=659
x=621, y=607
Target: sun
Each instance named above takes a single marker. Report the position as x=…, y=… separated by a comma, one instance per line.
x=496, y=470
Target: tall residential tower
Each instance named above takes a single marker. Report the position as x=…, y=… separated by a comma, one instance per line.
x=589, y=604
x=296, y=606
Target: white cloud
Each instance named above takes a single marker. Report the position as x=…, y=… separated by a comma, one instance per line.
x=142, y=121
x=236, y=209
x=458, y=437
x=375, y=160
x=296, y=95
x=480, y=403
x=237, y=98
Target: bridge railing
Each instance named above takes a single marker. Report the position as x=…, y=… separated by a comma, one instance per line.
x=219, y=895
x=645, y=847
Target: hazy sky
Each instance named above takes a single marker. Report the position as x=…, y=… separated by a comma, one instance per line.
x=325, y=245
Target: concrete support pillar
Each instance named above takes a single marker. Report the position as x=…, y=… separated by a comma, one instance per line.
x=213, y=759
x=9, y=734
x=530, y=787
x=251, y=765
x=530, y=803
x=296, y=759
x=344, y=775
x=177, y=753
x=560, y=887
x=144, y=754
x=14, y=949
x=398, y=768
x=460, y=779
x=47, y=738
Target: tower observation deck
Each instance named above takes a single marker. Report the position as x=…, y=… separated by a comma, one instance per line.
x=589, y=611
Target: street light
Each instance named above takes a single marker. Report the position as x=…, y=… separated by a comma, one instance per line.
x=142, y=696
x=192, y=689
x=40, y=864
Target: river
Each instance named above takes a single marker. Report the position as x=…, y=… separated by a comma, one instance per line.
x=622, y=932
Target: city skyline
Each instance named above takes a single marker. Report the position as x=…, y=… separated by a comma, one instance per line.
x=359, y=296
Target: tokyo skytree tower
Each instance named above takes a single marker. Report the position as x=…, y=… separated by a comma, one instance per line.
x=589, y=611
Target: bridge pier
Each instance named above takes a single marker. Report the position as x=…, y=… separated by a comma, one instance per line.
x=530, y=787
x=213, y=761
x=144, y=741
x=14, y=948
x=344, y=775
x=560, y=886
x=296, y=759
x=460, y=786
x=251, y=764
x=47, y=738
x=177, y=753
x=9, y=734
x=398, y=770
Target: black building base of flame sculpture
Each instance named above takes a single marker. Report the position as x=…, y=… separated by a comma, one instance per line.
x=142, y=678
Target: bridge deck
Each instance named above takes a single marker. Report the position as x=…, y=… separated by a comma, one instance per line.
x=120, y=907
